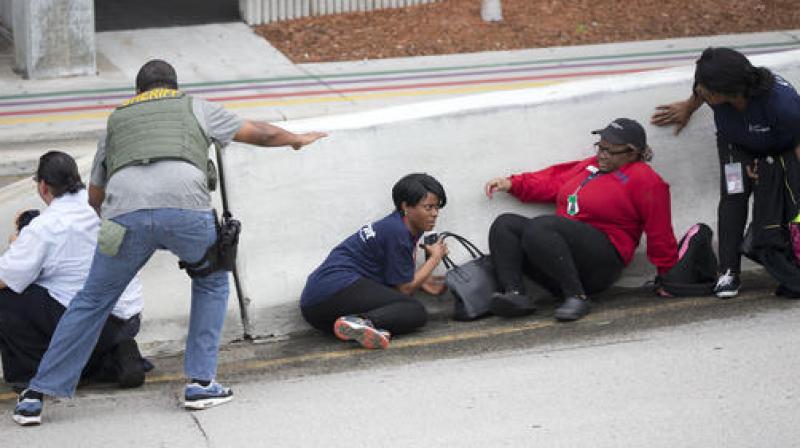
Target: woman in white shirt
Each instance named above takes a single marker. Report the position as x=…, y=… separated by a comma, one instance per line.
x=44, y=267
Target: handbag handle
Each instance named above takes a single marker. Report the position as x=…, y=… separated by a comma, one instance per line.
x=473, y=250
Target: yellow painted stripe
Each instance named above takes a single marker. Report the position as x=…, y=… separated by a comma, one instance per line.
x=52, y=118
x=332, y=98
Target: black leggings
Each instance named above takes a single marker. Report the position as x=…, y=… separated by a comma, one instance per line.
x=733, y=208
x=28, y=321
x=566, y=257
x=386, y=307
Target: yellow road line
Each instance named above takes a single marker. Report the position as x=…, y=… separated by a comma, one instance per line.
x=53, y=118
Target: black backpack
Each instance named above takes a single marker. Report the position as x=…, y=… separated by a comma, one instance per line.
x=695, y=273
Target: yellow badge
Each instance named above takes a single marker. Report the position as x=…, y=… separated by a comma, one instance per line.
x=154, y=94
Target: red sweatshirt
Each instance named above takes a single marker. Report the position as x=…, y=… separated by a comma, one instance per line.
x=621, y=204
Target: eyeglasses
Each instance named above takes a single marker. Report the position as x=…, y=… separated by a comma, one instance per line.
x=430, y=207
x=612, y=152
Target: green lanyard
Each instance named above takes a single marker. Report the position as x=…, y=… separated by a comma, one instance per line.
x=572, y=200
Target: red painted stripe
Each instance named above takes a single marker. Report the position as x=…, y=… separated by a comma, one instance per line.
x=59, y=110
x=353, y=90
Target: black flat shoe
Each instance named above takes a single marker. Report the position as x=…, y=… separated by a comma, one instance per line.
x=511, y=304
x=573, y=308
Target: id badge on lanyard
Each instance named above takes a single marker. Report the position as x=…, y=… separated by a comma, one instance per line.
x=572, y=200
x=734, y=178
x=572, y=205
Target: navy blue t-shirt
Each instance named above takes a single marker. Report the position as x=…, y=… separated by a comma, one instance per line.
x=382, y=251
x=769, y=125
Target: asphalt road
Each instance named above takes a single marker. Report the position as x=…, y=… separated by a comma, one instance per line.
x=680, y=373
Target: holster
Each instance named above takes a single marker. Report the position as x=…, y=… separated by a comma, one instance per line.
x=221, y=256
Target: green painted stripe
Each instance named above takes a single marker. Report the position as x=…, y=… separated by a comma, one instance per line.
x=400, y=71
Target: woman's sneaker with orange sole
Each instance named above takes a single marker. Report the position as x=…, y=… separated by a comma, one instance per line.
x=353, y=328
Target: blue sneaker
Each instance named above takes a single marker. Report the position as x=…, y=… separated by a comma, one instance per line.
x=197, y=396
x=28, y=411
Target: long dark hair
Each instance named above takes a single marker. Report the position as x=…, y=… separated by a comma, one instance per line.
x=60, y=172
x=728, y=72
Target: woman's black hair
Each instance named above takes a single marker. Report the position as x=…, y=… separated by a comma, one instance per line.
x=60, y=172
x=728, y=72
x=412, y=188
x=154, y=74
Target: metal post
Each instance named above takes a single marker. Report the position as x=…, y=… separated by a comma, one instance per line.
x=244, y=301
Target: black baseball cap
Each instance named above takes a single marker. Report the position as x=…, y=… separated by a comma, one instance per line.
x=624, y=131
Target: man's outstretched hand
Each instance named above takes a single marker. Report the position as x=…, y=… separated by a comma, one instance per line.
x=307, y=139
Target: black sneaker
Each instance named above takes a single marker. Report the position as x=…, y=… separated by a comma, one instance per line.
x=573, y=308
x=511, y=304
x=727, y=285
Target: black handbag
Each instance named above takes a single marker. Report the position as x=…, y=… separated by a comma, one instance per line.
x=471, y=283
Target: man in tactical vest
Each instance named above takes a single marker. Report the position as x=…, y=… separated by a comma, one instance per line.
x=150, y=184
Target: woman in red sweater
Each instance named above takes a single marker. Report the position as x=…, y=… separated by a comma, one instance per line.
x=603, y=204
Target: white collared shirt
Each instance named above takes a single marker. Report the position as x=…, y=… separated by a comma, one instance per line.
x=55, y=251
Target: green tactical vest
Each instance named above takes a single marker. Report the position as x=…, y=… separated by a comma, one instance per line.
x=156, y=125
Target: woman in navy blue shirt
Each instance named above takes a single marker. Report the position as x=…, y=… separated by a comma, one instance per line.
x=757, y=115
x=362, y=290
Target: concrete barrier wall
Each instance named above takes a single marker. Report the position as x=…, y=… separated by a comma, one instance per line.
x=296, y=206
x=54, y=38
x=6, y=18
x=259, y=12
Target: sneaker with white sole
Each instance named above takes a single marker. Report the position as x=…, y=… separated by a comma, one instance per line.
x=28, y=411
x=727, y=285
x=353, y=328
x=197, y=397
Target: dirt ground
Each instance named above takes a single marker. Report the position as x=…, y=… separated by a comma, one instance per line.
x=455, y=26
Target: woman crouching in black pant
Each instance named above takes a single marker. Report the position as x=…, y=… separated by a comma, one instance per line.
x=362, y=291
x=757, y=116
x=603, y=204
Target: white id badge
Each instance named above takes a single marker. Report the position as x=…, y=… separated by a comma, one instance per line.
x=733, y=178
